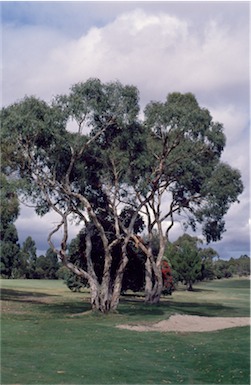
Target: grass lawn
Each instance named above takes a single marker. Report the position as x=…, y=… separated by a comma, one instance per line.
x=43, y=343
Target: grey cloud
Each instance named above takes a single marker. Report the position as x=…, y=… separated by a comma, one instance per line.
x=29, y=224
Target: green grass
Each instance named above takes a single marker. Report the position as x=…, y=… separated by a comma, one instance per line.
x=42, y=343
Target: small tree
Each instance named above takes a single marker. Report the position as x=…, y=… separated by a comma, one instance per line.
x=185, y=258
x=244, y=265
x=10, y=250
x=207, y=266
x=29, y=256
x=222, y=269
x=47, y=266
x=9, y=210
x=168, y=283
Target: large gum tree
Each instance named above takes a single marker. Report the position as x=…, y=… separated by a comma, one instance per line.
x=186, y=180
x=87, y=157
x=76, y=172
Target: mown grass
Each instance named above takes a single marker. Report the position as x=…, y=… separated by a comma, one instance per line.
x=45, y=342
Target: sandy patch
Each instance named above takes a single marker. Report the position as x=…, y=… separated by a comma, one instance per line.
x=190, y=323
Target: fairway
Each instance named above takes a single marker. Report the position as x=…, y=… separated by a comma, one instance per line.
x=49, y=336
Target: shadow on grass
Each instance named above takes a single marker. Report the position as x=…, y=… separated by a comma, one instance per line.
x=197, y=290
x=129, y=306
x=66, y=308
x=141, y=295
x=44, y=302
x=136, y=308
x=203, y=310
x=13, y=294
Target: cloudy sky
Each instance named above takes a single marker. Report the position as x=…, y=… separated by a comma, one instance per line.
x=160, y=47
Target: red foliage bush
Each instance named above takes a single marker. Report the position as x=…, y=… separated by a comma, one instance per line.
x=167, y=278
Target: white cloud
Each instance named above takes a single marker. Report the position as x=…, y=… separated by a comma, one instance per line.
x=27, y=68
x=235, y=120
x=157, y=52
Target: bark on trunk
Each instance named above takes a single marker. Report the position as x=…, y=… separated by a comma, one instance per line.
x=119, y=278
x=153, y=274
x=148, y=280
x=94, y=290
x=104, y=296
x=106, y=283
x=190, y=286
x=154, y=286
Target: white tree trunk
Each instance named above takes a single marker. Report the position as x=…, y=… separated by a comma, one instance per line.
x=153, y=272
x=154, y=282
x=119, y=279
x=148, y=279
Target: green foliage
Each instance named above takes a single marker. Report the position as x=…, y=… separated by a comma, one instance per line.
x=9, y=210
x=111, y=161
x=9, y=251
x=9, y=205
x=222, y=190
x=73, y=282
x=191, y=144
x=221, y=269
x=242, y=265
x=191, y=263
x=207, y=263
x=235, y=266
x=29, y=254
x=31, y=124
x=28, y=265
x=185, y=259
x=47, y=266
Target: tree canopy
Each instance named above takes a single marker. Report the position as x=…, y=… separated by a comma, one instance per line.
x=89, y=158
x=185, y=259
x=9, y=210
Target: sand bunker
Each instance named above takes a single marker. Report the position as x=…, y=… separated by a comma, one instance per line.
x=190, y=323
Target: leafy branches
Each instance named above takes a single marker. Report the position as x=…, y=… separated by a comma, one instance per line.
x=110, y=172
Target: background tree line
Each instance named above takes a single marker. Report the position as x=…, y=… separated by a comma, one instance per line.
x=185, y=260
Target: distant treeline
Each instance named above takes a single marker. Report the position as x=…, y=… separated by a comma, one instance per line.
x=177, y=266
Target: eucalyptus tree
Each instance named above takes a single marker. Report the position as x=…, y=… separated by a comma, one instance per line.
x=65, y=171
x=86, y=156
x=185, y=179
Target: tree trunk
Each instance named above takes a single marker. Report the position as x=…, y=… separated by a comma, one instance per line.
x=190, y=286
x=154, y=281
x=94, y=290
x=104, y=296
x=153, y=296
x=119, y=278
x=148, y=280
x=106, y=285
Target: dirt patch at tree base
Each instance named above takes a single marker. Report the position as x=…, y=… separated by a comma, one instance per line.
x=190, y=323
